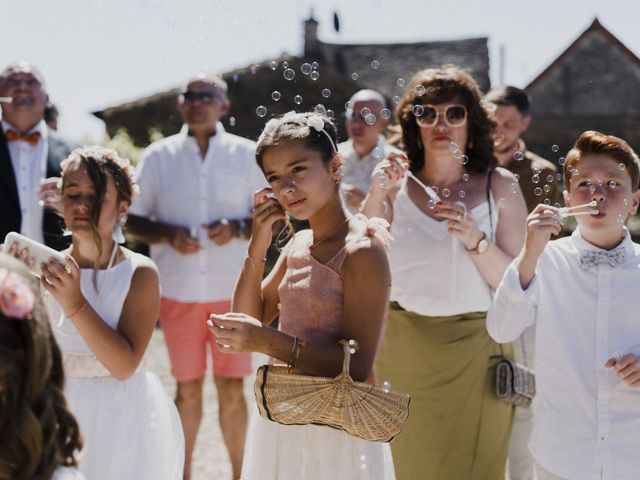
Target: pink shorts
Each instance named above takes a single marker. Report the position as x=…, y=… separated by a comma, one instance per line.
x=186, y=335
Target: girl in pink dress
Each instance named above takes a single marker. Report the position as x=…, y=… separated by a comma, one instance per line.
x=316, y=287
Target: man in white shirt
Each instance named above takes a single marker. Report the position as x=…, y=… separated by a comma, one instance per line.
x=194, y=208
x=30, y=156
x=580, y=293
x=367, y=118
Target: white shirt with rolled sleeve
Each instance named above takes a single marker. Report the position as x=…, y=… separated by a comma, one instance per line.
x=357, y=170
x=587, y=422
x=179, y=187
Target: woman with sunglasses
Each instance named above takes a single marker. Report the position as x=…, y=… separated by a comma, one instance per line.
x=457, y=222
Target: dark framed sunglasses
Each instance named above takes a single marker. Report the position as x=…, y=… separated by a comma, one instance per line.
x=204, y=97
x=427, y=116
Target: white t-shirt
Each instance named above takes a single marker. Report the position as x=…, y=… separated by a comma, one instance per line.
x=67, y=473
x=179, y=187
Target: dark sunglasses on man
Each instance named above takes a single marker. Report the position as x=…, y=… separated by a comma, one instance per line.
x=204, y=97
x=427, y=116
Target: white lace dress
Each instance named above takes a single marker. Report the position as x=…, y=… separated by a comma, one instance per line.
x=131, y=428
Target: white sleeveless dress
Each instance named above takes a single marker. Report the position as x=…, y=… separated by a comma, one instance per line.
x=131, y=428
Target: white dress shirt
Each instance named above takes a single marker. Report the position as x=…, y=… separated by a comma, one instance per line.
x=357, y=169
x=587, y=424
x=179, y=187
x=30, y=167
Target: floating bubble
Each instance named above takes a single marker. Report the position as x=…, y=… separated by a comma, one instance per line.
x=419, y=90
x=613, y=184
x=518, y=156
x=517, y=176
x=547, y=188
x=514, y=187
x=385, y=113
x=537, y=191
x=482, y=104
x=326, y=93
x=375, y=64
x=273, y=65
x=285, y=64
x=289, y=74
x=626, y=202
x=306, y=68
x=386, y=386
x=559, y=176
x=401, y=82
x=418, y=110
x=621, y=167
x=555, y=148
x=396, y=99
x=314, y=65
x=275, y=95
x=235, y=77
x=377, y=153
x=561, y=161
x=297, y=99
x=315, y=75
x=465, y=177
x=446, y=192
x=434, y=188
x=570, y=168
x=550, y=178
x=320, y=109
x=331, y=114
x=355, y=76
x=547, y=201
x=464, y=159
x=370, y=119
x=457, y=153
x=432, y=204
x=232, y=121
x=253, y=69
x=453, y=146
x=620, y=219
x=462, y=194
x=261, y=111
x=502, y=203
x=365, y=111
x=535, y=178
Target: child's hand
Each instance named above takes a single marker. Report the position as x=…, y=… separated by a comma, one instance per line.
x=266, y=211
x=627, y=368
x=235, y=332
x=387, y=174
x=63, y=282
x=543, y=222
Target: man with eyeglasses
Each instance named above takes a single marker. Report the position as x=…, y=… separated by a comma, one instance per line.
x=367, y=117
x=537, y=178
x=194, y=209
x=30, y=156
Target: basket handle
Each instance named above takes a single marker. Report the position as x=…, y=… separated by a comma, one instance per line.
x=347, y=346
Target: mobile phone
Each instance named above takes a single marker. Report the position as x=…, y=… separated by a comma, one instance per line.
x=38, y=252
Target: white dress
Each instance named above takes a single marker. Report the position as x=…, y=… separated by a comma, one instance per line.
x=131, y=428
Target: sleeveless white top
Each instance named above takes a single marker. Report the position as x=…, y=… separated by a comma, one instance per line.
x=432, y=273
x=109, y=306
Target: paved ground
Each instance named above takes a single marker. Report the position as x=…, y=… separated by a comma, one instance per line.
x=210, y=459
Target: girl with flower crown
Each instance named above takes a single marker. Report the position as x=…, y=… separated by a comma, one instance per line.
x=104, y=306
x=316, y=289
x=39, y=436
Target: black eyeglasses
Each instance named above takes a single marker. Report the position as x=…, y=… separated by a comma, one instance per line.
x=427, y=115
x=204, y=97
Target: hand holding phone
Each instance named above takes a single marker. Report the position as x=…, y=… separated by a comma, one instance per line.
x=37, y=252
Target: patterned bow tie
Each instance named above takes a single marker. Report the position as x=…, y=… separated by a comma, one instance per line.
x=31, y=138
x=591, y=258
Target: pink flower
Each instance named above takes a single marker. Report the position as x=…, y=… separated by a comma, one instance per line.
x=16, y=297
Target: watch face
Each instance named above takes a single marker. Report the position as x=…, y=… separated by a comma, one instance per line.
x=483, y=246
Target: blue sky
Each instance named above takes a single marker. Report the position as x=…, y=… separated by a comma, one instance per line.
x=98, y=53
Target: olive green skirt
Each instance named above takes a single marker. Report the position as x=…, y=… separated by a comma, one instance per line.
x=457, y=428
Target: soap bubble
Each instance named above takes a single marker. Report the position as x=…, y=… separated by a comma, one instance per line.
x=462, y=194
x=320, y=109
x=348, y=106
x=518, y=156
x=386, y=386
x=297, y=99
x=306, y=68
x=326, y=93
x=273, y=65
x=612, y=184
x=621, y=167
x=276, y=95
x=547, y=188
x=419, y=90
x=535, y=178
x=400, y=82
x=355, y=76
x=432, y=204
x=289, y=74
x=385, y=113
x=331, y=114
x=446, y=192
x=465, y=177
x=261, y=111
x=375, y=64
x=285, y=64
x=232, y=121
x=417, y=110
x=550, y=178
x=537, y=191
x=314, y=65
x=555, y=148
x=370, y=119
x=315, y=75
x=464, y=159
x=365, y=111
x=396, y=99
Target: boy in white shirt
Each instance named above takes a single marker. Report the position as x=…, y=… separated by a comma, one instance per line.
x=581, y=293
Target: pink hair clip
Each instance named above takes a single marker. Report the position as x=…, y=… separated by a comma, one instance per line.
x=16, y=296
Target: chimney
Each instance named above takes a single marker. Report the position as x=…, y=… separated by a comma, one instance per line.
x=311, y=42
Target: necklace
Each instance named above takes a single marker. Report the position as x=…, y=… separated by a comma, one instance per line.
x=315, y=243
